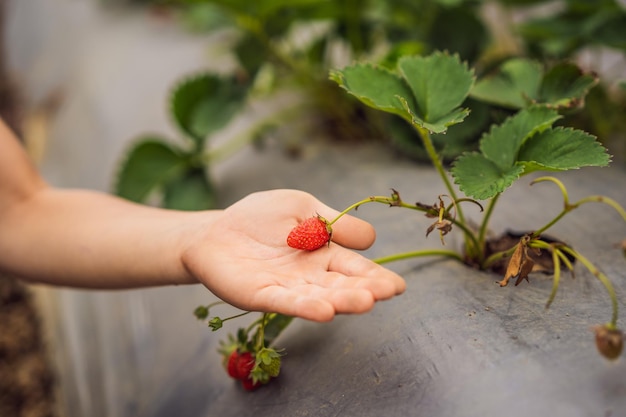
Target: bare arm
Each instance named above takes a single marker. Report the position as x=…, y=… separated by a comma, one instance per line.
x=94, y=240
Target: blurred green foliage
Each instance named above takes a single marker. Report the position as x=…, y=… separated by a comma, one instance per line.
x=294, y=44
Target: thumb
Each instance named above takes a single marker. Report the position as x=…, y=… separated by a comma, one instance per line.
x=350, y=231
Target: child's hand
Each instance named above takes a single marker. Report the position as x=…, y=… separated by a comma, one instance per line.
x=243, y=258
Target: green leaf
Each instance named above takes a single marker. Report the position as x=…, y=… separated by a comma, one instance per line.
x=612, y=32
x=452, y=118
x=562, y=149
x=274, y=327
x=449, y=145
x=502, y=143
x=204, y=17
x=202, y=104
x=251, y=54
x=565, y=86
x=261, y=10
x=191, y=191
x=515, y=85
x=480, y=178
x=440, y=83
x=376, y=87
x=149, y=164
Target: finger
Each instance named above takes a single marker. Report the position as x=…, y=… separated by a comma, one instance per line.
x=315, y=303
x=382, y=282
x=292, y=303
x=350, y=231
x=343, y=300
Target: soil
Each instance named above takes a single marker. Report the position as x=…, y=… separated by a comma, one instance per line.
x=542, y=260
x=26, y=379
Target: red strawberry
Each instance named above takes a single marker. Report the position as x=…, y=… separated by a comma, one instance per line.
x=240, y=364
x=311, y=234
x=231, y=366
x=249, y=384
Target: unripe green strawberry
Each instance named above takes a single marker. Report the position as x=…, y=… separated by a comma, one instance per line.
x=273, y=368
x=311, y=234
x=268, y=360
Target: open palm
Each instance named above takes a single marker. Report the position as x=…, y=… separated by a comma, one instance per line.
x=243, y=258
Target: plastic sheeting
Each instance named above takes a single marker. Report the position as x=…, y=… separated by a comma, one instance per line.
x=456, y=344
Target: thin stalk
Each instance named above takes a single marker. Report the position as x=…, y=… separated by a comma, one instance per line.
x=469, y=235
x=495, y=257
x=236, y=316
x=480, y=249
x=261, y=334
x=436, y=161
x=420, y=253
x=602, y=199
x=556, y=260
x=371, y=199
x=603, y=279
x=551, y=223
x=567, y=207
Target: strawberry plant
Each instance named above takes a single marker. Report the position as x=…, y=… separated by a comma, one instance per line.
x=176, y=173
x=428, y=93
x=282, y=45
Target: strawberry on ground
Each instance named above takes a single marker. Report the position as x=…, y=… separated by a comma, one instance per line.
x=240, y=364
x=249, y=384
x=311, y=234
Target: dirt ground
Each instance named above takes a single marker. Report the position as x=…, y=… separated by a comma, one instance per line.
x=26, y=377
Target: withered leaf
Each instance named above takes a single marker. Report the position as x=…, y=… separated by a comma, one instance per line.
x=430, y=210
x=520, y=264
x=444, y=226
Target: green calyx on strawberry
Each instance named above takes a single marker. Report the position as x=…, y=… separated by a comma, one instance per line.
x=311, y=234
x=269, y=361
x=253, y=370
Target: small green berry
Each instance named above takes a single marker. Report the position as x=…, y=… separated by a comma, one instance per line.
x=216, y=323
x=201, y=312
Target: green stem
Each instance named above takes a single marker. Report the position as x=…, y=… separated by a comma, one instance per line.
x=436, y=161
x=236, y=316
x=216, y=303
x=603, y=279
x=567, y=207
x=469, y=235
x=373, y=199
x=556, y=261
x=482, y=233
x=420, y=253
x=495, y=257
x=551, y=223
x=602, y=199
x=261, y=335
